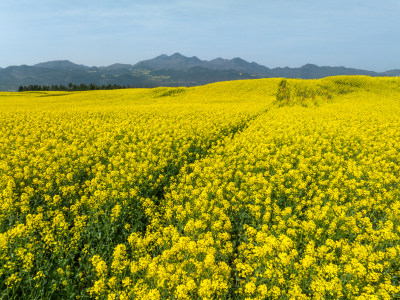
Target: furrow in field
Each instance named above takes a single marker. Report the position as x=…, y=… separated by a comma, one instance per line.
x=83, y=172
x=302, y=203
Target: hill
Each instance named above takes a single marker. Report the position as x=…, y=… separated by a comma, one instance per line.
x=163, y=70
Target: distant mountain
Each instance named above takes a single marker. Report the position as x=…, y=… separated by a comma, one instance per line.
x=61, y=65
x=237, y=64
x=117, y=67
x=179, y=62
x=391, y=73
x=310, y=71
x=175, y=61
x=163, y=70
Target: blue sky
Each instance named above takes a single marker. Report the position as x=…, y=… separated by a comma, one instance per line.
x=276, y=33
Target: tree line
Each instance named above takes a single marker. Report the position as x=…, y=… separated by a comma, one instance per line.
x=79, y=87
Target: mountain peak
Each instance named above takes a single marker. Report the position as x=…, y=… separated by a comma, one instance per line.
x=195, y=58
x=218, y=60
x=61, y=65
x=309, y=66
x=177, y=54
x=175, y=61
x=238, y=59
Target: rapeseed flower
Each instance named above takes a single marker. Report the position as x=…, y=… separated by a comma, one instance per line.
x=211, y=193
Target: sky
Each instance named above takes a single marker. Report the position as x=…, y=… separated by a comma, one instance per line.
x=275, y=33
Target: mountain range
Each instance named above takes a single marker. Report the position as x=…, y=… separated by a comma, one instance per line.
x=163, y=70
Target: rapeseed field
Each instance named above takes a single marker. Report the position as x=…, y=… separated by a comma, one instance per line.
x=257, y=189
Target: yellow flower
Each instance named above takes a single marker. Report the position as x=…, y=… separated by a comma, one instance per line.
x=153, y=294
x=205, y=288
x=250, y=288
x=98, y=288
x=99, y=265
x=115, y=212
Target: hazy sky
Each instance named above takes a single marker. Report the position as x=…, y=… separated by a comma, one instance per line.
x=352, y=33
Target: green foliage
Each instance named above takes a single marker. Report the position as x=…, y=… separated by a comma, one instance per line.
x=168, y=92
x=71, y=87
x=303, y=92
x=283, y=93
